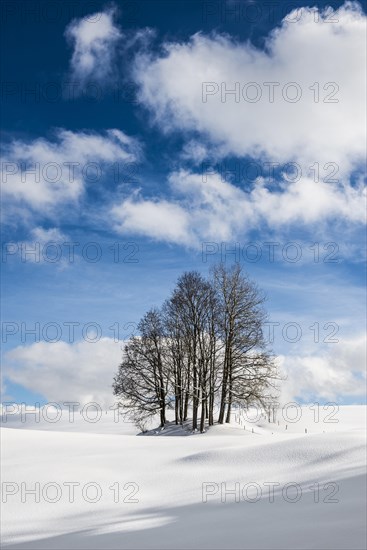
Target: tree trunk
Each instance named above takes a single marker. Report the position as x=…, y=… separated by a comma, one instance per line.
x=211, y=408
x=228, y=418
x=187, y=395
x=203, y=410
x=230, y=393
x=177, y=405
x=224, y=391
x=163, y=417
x=186, y=407
x=195, y=405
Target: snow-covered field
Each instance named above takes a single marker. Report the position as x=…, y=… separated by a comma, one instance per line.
x=223, y=489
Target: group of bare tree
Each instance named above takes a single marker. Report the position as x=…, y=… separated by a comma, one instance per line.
x=204, y=347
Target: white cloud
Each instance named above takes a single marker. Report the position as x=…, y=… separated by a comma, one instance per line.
x=206, y=208
x=200, y=211
x=80, y=371
x=44, y=247
x=94, y=39
x=84, y=371
x=161, y=220
x=309, y=202
x=195, y=152
x=305, y=132
x=44, y=174
x=303, y=52
x=340, y=371
x=44, y=236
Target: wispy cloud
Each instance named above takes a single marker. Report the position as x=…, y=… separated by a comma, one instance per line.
x=94, y=40
x=44, y=174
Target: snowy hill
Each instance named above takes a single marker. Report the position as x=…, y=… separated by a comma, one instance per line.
x=228, y=488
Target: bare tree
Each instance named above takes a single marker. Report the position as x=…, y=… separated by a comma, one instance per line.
x=191, y=303
x=142, y=381
x=205, y=345
x=177, y=358
x=247, y=369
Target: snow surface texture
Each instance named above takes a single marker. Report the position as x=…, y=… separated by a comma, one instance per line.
x=186, y=492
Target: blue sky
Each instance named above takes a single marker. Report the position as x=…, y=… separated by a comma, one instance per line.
x=124, y=112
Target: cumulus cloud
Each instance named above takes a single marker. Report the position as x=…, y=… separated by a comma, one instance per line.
x=203, y=207
x=326, y=124
x=324, y=131
x=42, y=174
x=210, y=210
x=94, y=39
x=337, y=372
x=161, y=220
x=81, y=371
